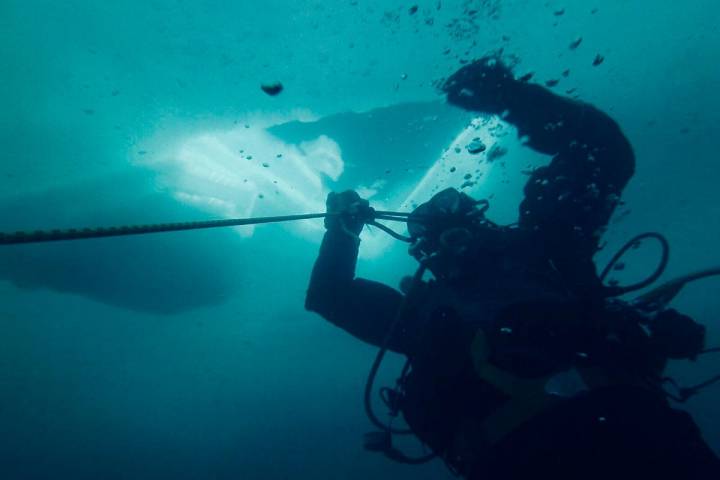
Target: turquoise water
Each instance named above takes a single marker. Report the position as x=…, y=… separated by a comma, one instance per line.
x=189, y=355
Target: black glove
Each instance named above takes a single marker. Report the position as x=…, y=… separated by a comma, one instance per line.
x=676, y=335
x=481, y=86
x=350, y=212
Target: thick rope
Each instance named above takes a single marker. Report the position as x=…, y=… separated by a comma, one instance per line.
x=118, y=231
x=77, y=234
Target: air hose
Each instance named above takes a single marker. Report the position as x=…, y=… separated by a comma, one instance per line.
x=382, y=441
x=615, y=291
x=399, y=317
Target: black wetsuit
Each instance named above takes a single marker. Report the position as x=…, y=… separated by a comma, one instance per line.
x=619, y=431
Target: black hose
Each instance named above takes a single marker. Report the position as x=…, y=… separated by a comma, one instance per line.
x=405, y=218
x=662, y=265
x=394, y=453
x=399, y=316
x=685, y=393
x=394, y=214
x=391, y=232
x=696, y=388
x=390, y=218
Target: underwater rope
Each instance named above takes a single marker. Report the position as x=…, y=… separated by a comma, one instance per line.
x=86, y=233
x=38, y=236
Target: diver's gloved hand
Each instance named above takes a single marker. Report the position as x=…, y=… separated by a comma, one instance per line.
x=483, y=85
x=676, y=335
x=350, y=212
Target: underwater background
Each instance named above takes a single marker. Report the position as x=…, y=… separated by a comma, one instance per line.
x=189, y=355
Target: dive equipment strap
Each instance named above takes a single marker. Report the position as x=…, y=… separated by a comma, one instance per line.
x=527, y=397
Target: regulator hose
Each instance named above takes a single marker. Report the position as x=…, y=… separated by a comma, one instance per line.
x=387, y=429
x=399, y=316
x=614, y=291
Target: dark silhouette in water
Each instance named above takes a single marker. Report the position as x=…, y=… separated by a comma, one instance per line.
x=158, y=274
x=272, y=89
x=521, y=363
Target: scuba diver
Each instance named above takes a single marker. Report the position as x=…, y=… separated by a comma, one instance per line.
x=520, y=360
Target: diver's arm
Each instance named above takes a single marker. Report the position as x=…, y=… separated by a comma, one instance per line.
x=588, y=146
x=551, y=123
x=361, y=307
x=568, y=202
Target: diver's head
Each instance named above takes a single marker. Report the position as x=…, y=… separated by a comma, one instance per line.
x=449, y=231
x=447, y=211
